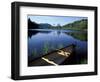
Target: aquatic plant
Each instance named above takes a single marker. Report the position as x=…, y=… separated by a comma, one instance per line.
x=34, y=52
x=46, y=47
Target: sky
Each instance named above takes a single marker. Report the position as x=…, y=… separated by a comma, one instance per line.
x=54, y=20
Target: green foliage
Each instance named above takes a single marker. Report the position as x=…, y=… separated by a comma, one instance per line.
x=34, y=52
x=77, y=25
x=46, y=48
x=80, y=36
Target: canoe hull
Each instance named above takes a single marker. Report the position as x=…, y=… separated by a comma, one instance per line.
x=57, y=57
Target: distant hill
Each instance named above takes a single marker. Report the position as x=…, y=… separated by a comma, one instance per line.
x=77, y=25
x=32, y=25
x=44, y=26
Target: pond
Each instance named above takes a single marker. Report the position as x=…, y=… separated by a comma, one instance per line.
x=42, y=41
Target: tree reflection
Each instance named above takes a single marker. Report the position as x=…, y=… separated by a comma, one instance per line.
x=34, y=32
x=78, y=35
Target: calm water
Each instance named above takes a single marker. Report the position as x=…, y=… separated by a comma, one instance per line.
x=42, y=41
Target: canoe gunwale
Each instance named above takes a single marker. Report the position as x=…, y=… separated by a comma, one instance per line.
x=54, y=51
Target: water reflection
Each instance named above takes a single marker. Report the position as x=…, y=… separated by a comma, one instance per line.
x=34, y=32
x=42, y=41
x=78, y=35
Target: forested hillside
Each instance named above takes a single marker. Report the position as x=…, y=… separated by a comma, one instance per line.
x=76, y=25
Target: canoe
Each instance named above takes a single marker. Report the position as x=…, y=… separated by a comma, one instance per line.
x=55, y=57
